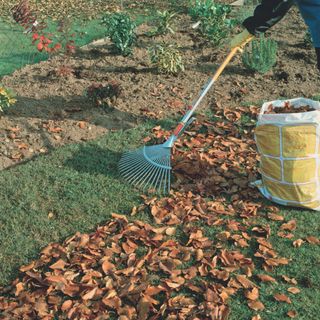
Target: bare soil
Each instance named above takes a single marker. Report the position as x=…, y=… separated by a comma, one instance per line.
x=52, y=111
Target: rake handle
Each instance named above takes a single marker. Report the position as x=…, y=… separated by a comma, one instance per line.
x=192, y=108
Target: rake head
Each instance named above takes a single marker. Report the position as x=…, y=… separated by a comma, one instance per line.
x=148, y=168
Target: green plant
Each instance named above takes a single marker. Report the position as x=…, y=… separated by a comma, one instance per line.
x=6, y=99
x=104, y=95
x=261, y=55
x=164, y=22
x=213, y=17
x=121, y=30
x=167, y=58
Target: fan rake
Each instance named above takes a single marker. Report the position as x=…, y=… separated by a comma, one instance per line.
x=149, y=167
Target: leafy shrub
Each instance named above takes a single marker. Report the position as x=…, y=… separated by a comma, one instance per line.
x=167, y=58
x=121, y=30
x=213, y=17
x=104, y=95
x=164, y=22
x=261, y=55
x=6, y=99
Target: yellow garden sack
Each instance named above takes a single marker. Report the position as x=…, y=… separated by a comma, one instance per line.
x=289, y=146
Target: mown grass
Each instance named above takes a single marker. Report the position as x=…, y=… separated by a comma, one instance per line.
x=77, y=187
x=73, y=188
x=17, y=49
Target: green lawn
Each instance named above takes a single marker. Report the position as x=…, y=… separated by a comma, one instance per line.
x=17, y=49
x=78, y=184
x=77, y=187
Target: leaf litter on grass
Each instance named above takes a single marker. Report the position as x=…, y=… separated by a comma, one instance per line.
x=188, y=263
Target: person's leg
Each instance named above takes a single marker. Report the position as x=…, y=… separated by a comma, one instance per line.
x=318, y=57
x=310, y=11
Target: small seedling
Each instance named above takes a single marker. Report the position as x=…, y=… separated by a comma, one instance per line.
x=104, y=95
x=121, y=30
x=6, y=99
x=167, y=58
x=261, y=55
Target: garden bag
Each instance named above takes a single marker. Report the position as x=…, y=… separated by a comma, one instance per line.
x=289, y=146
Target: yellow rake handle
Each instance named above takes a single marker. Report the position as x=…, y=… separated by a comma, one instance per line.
x=228, y=58
x=191, y=109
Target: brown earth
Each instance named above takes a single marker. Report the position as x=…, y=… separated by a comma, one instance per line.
x=52, y=111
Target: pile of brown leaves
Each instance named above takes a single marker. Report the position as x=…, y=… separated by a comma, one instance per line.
x=173, y=269
x=288, y=108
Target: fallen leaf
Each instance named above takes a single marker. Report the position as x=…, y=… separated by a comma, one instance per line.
x=293, y=290
x=313, y=240
x=252, y=294
x=266, y=278
x=90, y=294
x=19, y=288
x=289, y=280
x=298, y=243
x=27, y=267
x=256, y=317
x=55, y=129
x=170, y=231
x=256, y=305
x=66, y=305
x=82, y=124
x=282, y=298
x=275, y=217
x=289, y=226
x=292, y=314
x=60, y=264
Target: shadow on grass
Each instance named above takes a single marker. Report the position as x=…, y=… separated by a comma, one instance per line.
x=93, y=159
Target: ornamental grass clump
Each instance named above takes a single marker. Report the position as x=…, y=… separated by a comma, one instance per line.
x=261, y=55
x=6, y=99
x=121, y=30
x=166, y=58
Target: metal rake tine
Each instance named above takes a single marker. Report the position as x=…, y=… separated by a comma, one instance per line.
x=156, y=175
x=148, y=177
x=129, y=164
x=140, y=178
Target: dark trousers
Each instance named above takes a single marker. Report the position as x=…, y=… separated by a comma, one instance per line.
x=318, y=57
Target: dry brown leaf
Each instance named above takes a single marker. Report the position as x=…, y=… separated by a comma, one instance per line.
x=298, y=243
x=275, y=217
x=55, y=129
x=293, y=290
x=289, y=280
x=170, y=231
x=256, y=317
x=266, y=278
x=292, y=314
x=252, y=294
x=27, y=267
x=60, y=264
x=245, y=282
x=82, y=124
x=66, y=305
x=282, y=298
x=289, y=226
x=313, y=240
x=90, y=294
x=256, y=305
x=19, y=288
